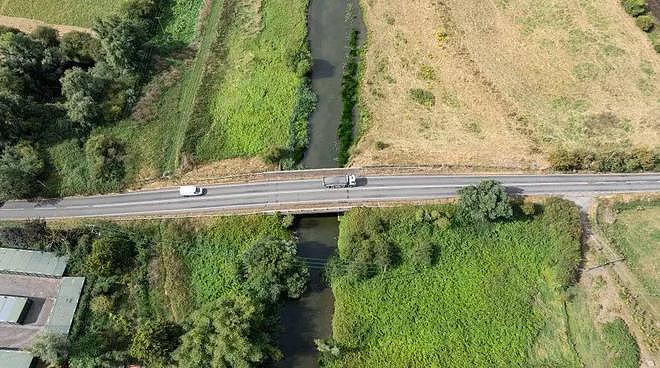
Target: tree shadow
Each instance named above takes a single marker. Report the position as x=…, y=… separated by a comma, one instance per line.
x=322, y=68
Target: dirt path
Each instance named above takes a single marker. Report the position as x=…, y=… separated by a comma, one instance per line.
x=28, y=25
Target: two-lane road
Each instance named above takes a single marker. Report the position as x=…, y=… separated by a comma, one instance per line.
x=300, y=194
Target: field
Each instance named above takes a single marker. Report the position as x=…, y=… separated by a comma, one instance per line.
x=492, y=298
x=67, y=12
x=252, y=106
x=503, y=83
x=634, y=229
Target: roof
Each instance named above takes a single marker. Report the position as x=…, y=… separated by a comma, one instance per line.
x=15, y=359
x=30, y=262
x=66, y=302
x=12, y=308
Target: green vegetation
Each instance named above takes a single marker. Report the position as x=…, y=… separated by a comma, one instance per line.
x=633, y=228
x=622, y=347
x=486, y=297
x=266, y=58
x=422, y=97
x=644, y=19
x=637, y=159
x=153, y=286
x=52, y=348
x=487, y=201
x=56, y=92
x=80, y=13
x=349, y=84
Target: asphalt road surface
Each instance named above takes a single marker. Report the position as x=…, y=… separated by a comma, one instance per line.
x=298, y=195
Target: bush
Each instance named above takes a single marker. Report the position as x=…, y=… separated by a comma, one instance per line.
x=274, y=155
x=349, y=84
x=49, y=36
x=20, y=169
x=272, y=270
x=634, y=7
x=230, y=332
x=422, y=255
x=105, y=161
x=380, y=145
x=83, y=93
x=369, y=253
x=52, y=348
x=154, y=342
x=109, y=255
x=80, y=47
x=487, y=201
x=422, y=97
x=637, y=159
x=645, y=22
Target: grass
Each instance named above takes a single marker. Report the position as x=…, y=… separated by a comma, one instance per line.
x=491, y=299
x=504, y=64
x=251, y=109
x=623, y=350
x=215, y=252
x=635, y=232
x=66, y=12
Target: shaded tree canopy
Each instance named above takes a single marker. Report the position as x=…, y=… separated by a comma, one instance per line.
x=487, y=201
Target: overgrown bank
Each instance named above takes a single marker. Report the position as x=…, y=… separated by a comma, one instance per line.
x=153, y=286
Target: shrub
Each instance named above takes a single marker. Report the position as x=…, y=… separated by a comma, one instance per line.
x=368, y=252
x=105, y=160
x=274, y=155
x=350, y=84
x=422, y=255
x=637, y=159
x=80, y=47
x=20, y=169
x=487, y=201
x=528, y=208
x=109, y=255
x=645, y=22
x=154, y=342
x=49, y=36
x=422, y=97
x=380, y=145
x=230, y=332
x=272, y=270
x=5, y=29
x=634, y=7
x=52, y=348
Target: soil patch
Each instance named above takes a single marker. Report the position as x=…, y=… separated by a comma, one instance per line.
x=29, y=25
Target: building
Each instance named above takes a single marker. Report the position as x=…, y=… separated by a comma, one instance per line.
x=13, y=309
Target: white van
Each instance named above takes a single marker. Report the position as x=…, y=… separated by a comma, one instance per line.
x=190, y=191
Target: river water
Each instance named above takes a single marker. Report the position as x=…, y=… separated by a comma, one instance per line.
x=311, y=317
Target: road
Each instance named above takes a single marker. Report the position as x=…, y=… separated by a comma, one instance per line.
x=306, y=195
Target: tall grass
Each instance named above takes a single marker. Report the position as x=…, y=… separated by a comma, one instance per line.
x=253, y=105
x=349, y=95
x=489, y=297
x=623, y=349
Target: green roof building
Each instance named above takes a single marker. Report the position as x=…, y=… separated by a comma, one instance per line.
x=16, y=359
x=13, y=309
x=31, y=263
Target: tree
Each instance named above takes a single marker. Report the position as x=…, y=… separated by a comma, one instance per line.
x=35, y=67
x=52, y=348
x=20, y=167
x=154, y=342
x=487, y=201
x=271, y=270
x=105, y=161
x=109, y=255
x=123, y=41
x=229, y=333
x=83, y=93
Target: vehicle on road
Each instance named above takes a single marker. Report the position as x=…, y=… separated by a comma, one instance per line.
x=190, y=191
x=335, y=182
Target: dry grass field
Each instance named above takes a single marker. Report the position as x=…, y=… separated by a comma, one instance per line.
x=511, y=81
